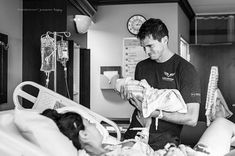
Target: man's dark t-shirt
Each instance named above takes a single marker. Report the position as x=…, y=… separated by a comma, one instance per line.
x=175, y=73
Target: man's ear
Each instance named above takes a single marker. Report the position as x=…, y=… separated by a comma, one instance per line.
x=164, y=39
x=83, y=135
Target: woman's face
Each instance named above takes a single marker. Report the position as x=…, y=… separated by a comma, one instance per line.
x=93, y=133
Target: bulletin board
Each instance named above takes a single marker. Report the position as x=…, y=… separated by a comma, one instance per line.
x=132, y=54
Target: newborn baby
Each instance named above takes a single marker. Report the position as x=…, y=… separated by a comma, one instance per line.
x=153, y=99
x=134, y=86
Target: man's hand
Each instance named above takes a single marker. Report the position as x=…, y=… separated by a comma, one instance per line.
x=155, y=114
x=125, y=95
x=136, y=101
x=145, y=122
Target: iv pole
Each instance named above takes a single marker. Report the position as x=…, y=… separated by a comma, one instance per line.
x=55, y=79
x=55, y=35
x=66, y=34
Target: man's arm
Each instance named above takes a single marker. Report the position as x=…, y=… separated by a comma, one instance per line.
x=190, y=118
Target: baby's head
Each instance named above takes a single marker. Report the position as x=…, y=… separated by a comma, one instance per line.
x=132, y=86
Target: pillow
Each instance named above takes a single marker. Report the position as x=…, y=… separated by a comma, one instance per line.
x=43, y=132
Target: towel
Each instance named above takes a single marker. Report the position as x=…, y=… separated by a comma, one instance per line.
x=169, y=100
x=212, y=86
x=215, y=103
x=217, y=108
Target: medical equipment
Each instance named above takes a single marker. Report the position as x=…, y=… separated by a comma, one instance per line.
x=62, y=51
x=12, y=141
x=47, y=98
x=53, y=50
x=47, y=55
x=63, y=57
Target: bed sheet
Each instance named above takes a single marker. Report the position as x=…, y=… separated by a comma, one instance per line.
x=12, y=141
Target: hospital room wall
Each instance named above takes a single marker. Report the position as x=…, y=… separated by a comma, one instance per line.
x=11, y=25
x=105, y=39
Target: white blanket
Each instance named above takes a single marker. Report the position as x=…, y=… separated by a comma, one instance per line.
x=26, y=132
x=12, y=142
x=169, y=100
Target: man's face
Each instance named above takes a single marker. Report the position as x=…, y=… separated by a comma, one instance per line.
x=153, y=48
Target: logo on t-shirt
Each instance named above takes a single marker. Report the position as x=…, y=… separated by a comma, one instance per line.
x=168, y=76
x=195, y=94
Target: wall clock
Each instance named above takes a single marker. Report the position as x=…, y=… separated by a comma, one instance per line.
x=134, y=23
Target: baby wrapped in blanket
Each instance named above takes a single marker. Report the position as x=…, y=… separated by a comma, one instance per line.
x=169, y=100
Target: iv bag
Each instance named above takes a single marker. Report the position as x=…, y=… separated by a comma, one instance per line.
x=62, y=51
x=47, y=54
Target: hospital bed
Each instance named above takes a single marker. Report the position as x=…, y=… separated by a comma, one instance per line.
x=13, y=143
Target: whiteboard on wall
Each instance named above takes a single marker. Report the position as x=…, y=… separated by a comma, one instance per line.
x=132, y=54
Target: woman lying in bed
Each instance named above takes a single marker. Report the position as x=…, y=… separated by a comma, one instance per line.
x=214, y=142
x=85, y=135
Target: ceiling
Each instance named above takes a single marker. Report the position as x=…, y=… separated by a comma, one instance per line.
x=212, y=6
x=190, y=7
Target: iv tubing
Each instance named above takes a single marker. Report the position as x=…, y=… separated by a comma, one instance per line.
x=66, y=81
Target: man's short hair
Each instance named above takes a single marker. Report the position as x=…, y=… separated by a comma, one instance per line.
x=154, y=27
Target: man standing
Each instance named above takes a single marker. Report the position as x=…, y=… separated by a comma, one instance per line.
x=163, y=70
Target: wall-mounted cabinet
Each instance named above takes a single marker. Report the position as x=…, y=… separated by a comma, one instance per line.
x=211, y=29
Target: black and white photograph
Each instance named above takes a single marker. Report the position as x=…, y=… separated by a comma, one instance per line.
x=117, y=77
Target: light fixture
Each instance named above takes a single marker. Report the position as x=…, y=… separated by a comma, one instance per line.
x=82, y=23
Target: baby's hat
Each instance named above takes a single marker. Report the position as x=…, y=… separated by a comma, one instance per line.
x=121, y=82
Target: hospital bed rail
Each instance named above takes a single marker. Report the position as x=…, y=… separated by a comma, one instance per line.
x=47, y=98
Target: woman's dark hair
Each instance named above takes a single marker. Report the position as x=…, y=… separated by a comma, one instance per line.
x=154, y=27
x=68, y=123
